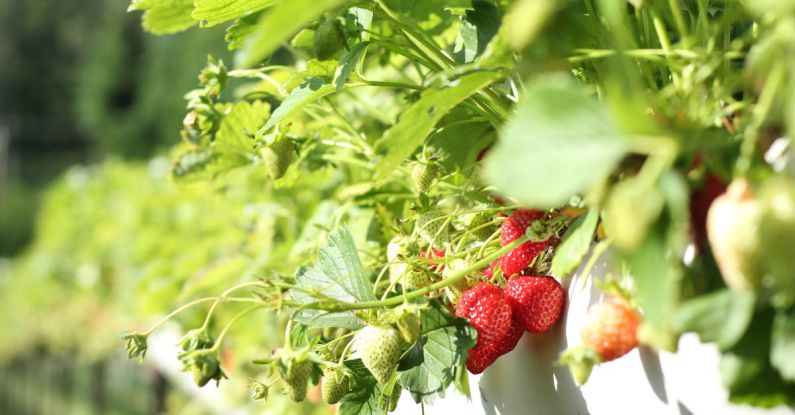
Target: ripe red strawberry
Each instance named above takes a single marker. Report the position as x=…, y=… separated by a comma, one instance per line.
x=537, y=301
x=489, y=272
x=700, y=201
x=481, y=357
x=516, y=224
x=611, y=329
x=434, y=253
x=484, y=355
x=511, y=339
x=521, y=257
x=487, y=310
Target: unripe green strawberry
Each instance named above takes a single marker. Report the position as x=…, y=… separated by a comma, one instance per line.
x=423, y=175
x=733, y=231
x=329, y=38
x=431, y=223
x=394, y=398
x=457, y=288
x=334, y=386
x=777, y=233
x=397, y=251
x=476, y=225
x=632, y=208
x=417, y=278
x=277, y=156
x=380, y=349
x=409, y=326
x=295, y=380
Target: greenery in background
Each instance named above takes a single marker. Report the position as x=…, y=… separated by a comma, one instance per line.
x=81, y=81
x=618, y=111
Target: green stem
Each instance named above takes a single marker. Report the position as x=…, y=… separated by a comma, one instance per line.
x=393, y=301
x=229, y=325
x=221, y=298
x=171, y=315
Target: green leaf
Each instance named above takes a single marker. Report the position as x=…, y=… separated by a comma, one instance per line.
x=721, y=317
x=477, y=29
x=559, y=142
x=165, y=16
x=746, y=369
x=365, y=395
x=348, y=62
x=239, y=124
x=212, y=12
x=279, y=24
x=338, y=274
x=459, y=143
x=417, y=122
x=205, y=164
x=657, y=285
x=575, y=244
x=309, y=91
x=237, y=33
x=445, y=340
x=782, y=351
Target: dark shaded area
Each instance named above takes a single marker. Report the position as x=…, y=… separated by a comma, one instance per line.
x=81, y=80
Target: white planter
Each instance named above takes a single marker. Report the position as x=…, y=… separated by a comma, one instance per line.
x=527, y=382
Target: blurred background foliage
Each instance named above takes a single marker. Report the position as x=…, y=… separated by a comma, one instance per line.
x=82, y=83
x=80, y=80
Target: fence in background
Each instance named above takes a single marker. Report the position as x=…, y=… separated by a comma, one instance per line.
x=45, y=385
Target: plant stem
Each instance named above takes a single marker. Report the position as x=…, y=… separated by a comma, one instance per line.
x=220, y=298
x=393, y=301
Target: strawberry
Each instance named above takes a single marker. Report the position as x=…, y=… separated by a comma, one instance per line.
x=423, y=175
x=481, y=357
x=512, y=228
x=277, y=156
x=509, y=342
x=487, y=310
x=537, y=301
x=380, y=349
x=700, y=201
x=521, y=257
x=611, y=329
x=394, y=398
x=430, y=224
x=417, y=278
x=489, y=272
x=329, y=38
x=334, y=386
x=733, y=224
x=397, y=251
x=516, y=224
x=478, y=226
x=409, y=326
x=434, y=253
x=777, y=233
x=295, y=378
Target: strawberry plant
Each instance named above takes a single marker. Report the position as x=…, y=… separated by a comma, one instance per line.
x=461, y=151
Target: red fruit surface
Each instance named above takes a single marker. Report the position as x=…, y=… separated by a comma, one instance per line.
x=484, y=355
x=700, y=201
x=487, y=310
x=611, y=329
x=511, y=339
x=433, y=253
x=481, y=357
x=537, y=302
x=521, y=257
x=516, y=224
x=489, y=272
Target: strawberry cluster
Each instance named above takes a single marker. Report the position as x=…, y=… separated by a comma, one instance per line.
x=527, y=303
